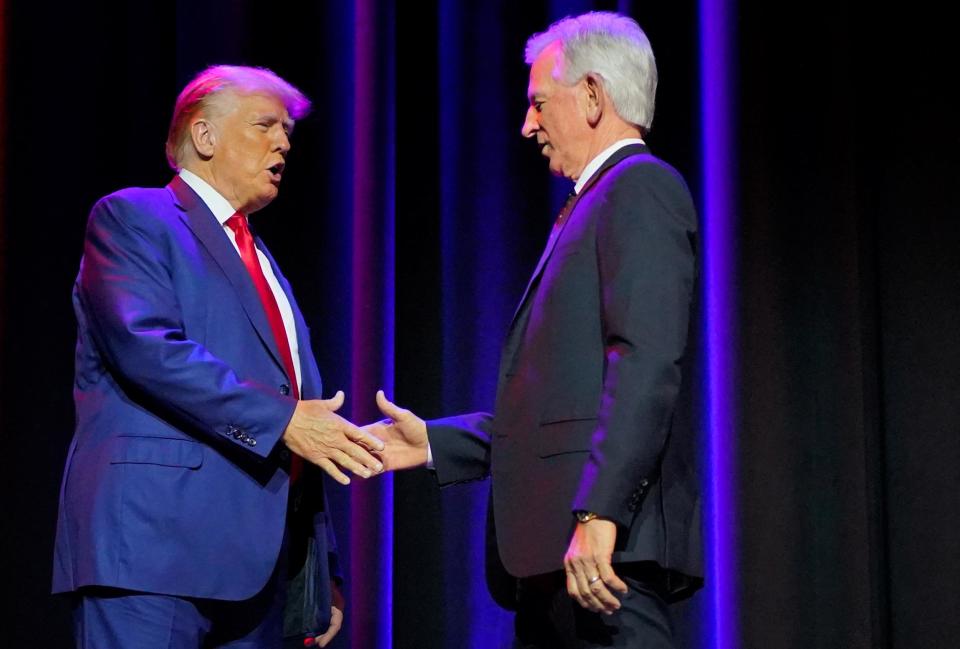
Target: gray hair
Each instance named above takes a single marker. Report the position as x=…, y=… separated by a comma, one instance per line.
x=202, y=93
x=614, y=48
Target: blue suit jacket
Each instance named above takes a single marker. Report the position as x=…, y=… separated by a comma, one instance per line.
x=176, y=480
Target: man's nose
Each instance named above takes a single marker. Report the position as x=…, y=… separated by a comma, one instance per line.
x=530, y=123
x=283, y=142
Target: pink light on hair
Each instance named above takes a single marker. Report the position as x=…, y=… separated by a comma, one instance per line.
x=200, y=92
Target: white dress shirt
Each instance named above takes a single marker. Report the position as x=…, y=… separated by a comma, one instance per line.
x=222, y=210
x=601, y=157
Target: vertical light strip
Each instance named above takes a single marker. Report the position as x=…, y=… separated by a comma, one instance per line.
x=388, y=179
x=457, y=627
x=719, y=165
x=450, y=65
x=4, y=45
x=371, y=502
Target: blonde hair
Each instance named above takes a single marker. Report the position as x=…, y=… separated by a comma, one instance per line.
x=202, y=92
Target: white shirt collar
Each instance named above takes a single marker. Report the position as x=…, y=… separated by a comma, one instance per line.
x=598, y=161
x=213, y=199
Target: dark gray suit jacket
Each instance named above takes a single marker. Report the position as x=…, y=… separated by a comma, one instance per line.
x=593, y=403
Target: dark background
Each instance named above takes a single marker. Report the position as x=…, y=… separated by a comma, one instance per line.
x=847, y=276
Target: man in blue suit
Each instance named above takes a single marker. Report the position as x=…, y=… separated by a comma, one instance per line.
x=185, y=520
x=590, y=448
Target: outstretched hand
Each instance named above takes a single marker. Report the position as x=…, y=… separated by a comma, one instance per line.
x=320, y=436
x=404, y=436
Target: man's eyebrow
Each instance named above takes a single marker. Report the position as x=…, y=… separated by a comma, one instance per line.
x=273, y=118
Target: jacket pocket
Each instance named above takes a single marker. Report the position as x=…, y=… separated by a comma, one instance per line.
x=565, y=436
x=162, y=451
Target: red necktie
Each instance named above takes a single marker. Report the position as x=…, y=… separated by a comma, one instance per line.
x=248, y=253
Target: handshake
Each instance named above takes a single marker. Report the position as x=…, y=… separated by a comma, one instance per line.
x=322, y=437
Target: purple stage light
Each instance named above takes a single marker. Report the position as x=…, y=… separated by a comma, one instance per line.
x=719, y=165
x=372, y=318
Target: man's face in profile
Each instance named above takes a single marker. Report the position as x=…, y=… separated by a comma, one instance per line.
x=555, y=116
x=252, y=141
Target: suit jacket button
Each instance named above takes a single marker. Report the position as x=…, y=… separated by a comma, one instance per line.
x=252, y=442
x=284, y=454
x=284, y=389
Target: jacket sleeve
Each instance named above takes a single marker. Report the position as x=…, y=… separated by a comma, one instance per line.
x=461, y=447
x=125, y=289
x=646, y=252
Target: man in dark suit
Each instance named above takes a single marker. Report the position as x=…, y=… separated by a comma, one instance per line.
x=194, y=376
x=590, y=447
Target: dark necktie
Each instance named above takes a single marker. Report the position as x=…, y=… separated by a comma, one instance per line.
x=548, y=248
x=564, y=213
x=248, y=253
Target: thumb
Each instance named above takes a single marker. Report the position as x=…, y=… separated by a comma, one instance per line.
x=387, y=407
x=334, y=403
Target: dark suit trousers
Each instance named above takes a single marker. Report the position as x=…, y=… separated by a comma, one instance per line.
x=548, y=618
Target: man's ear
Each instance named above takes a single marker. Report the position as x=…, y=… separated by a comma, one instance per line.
x=594, y=98
x=204, y=137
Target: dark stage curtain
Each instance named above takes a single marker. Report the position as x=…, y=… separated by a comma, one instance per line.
x=848, y=351
x=411, y=215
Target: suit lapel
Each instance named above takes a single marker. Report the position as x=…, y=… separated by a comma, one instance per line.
x=547, y=251
x=208, y=230
x=620, y=154
x=308, y=373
